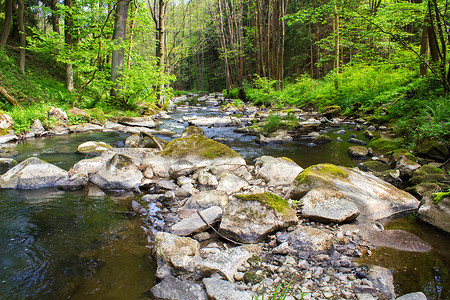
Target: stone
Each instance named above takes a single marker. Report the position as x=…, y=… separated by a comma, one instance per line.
x=89, y=165
x=207, y=179
x=212, y=121
x=375, y=198
x=191, y=130
x=7, y=162
x=218, y=289
x=37, y=128
x=180, y=168
x=251, y=218
x=93, y=147
x=180, y=255
x=6, y=122
x=172, y=288
x=34, y=173
x=58, y=114
x=382, y=280
x=357, y=142
x=86, y=127
x=278, y=137
x=231, y=183
x=276, y=171
x=385, y=144
x=196, y=223
x=207, y=199
x=436, y=214
x=282, y=249
x=398, y=239
x=306, y=238
x=432, y=149
x=326, y=205
x=8, y=137
x=406, y=167
x=413, y=296
x=331, y=111
x=358, y=152
x=119, y=173
x=145, y=140
x=186, y=190
x=227, y=262
x=373, y=166
x=428, y=173
x=147, y=122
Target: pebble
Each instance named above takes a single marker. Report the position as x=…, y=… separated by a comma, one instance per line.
x=238, y=276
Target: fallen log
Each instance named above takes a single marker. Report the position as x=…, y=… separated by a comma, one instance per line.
x=8, y=97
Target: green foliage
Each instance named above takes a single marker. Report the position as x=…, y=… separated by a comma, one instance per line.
x=263, y=92
x=231, y=94
x=24, y=116
x=438, y=196
x=279, y=293
x=272, y=123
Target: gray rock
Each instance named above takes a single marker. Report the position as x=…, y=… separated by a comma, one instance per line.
x=119, y=173
x=34, y=173
x=277, y=171
x=148, y=122
x=436, y=214
x=250, y=218
x=306, y=238
x=180, y=168
x=218, y=289
x=358, y=152
x=278, y=137
x=93, y=147
x=174, y=254
x=231, y=183
x=206, y=199
x=227, y=262
x=357, y=142
x=10, y=137
x=171, y=288
x=327, y=205
x=86, y=127
x=8, y=162
x=195, y=223
x=413, y=296
x=90, y=165
x=406, y=167
x=37, y=128
x=207, y=179
x=375, y=198
x=382, y=280
x=186, y=190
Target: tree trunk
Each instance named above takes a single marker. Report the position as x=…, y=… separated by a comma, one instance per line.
x=55, y=17
x=424, y=48
x=22, y=42
x=7, y=24
x=68, y=28
x=117, y=60
x=8, y=97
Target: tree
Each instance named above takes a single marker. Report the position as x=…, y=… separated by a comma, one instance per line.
x=22, y=42
x=7, y=24
x=68, y=32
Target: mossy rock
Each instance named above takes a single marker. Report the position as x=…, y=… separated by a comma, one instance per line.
x=191, y=130
x=323, y=138
x=148, y=141
x=198, y=146
x=427, y=188
x=384, y=144
x=374, y=166
x=253, y=278
x=331, y=111
x=319, y=171
x=428, y=173
x=432, y=149
x=399, y=153
x=277, y=203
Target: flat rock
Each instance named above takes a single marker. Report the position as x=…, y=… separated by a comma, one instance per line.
x=148, y=122
x=227, y=262
x=358, y=152
x=436, y=214
x=250, y=218
x=306, y=238
x=119, y=173
x=375, y=198
x=212, y=121
x=10, y=137
x=413, y=296
x=218, y=289
x=278, y=137
x=231, y=183
x=398, y=239
x=86, y=127
x=326, y=205
x=196, y=223
x=207, y=199
x=382, y=280
x=171, y=288
x=93, y=147
x=277, y=171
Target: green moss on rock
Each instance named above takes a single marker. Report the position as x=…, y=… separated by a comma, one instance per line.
x=253, y=278
x=432, y=149
x=428, y=173
x=277, y=203
x=385, y=144
x=198, y=146
x=399, y=153
x=320, y=172
x=191, y=130
x=374, y=166
x=438, y=196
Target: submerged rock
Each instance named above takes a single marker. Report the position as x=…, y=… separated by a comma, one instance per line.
x=400, y=240
x=277, y=171
x=250, y=218
x=375, y=198
x=145, y=140
x=119, y=173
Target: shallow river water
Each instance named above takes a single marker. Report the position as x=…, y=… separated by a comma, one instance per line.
x=66, y=245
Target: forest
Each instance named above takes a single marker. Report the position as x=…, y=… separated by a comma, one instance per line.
x=385, y=60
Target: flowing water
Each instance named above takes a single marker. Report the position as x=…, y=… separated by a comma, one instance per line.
x=66, y=245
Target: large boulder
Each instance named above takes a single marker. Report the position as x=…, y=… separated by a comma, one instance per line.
x=93, y=147
x=436, y=214
x=375, y=198
x=145, y=140
x=57, y=114
x=34, y=173
x=175, y=255
x=147, y=122
x=432, y=149
x=359, y=152
x=250, y=218
x=191, y=130
x=327, y=205
x=119, y=173
x=227, y=262
x=278, y=137
x=277, y=171
x=202, y=151
x=172, y=288
x=331, y=111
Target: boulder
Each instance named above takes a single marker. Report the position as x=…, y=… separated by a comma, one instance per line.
x=326, y=205
x=147, y=122
x=397, y=239
x=34, y=173
x=227, y=262
x=413, y=296
x=436, y=214
x=231, y=183
x=375, y=198
x=357, y=142
x=196, y=222
x=174, y=254
x=191, y=130
x=37, y=128
x=382, y=280
x=58, y=114
x=306, y=238
x=406, y=166
x=373, y=166
x=206, y=179
x=171, y=288
x=207, y=199
x=6, y=122
x=145, y=140
x=250, y=218
x=7, y=162
x=432, y=149
x=180, y=168
x=213, y=121
x=93, y=147
x=360, y=152
x=428, y=173
x=119, y=173
x=278, y=137
x=385, y=144
x=86, y=127
x=331, y=111
x=277, y=171
x=218, y=289
x=89, y=165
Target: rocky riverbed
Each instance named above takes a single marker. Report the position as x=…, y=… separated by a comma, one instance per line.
x=225, y=229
